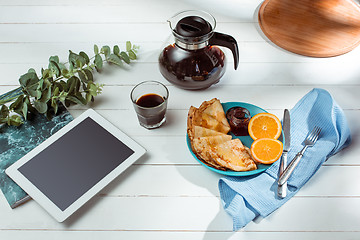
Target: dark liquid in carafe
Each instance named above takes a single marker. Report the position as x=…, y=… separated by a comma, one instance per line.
x=192, y=69
x=150, y=100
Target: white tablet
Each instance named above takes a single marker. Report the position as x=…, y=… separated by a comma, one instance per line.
x=74, y=164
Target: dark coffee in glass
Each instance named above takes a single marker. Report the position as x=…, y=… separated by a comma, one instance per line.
x=150, y=101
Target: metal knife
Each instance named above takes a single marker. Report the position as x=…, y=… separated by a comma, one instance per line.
x=282, y=189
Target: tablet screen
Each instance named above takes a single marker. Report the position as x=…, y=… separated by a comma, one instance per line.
x=74, y=163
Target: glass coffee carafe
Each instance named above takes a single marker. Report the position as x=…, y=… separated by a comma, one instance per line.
x=193, y=62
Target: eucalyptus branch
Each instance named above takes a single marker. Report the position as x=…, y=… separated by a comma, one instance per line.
x=69, y=83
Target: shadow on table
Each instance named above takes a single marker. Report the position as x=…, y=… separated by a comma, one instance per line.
x=92, y=203
x=208, y=180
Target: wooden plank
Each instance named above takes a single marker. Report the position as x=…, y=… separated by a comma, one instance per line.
x=112, y=13
x=294, y=74
x=177, y=144
x=197, y=181
x=174, y=235
x=77, y=3
x=188, y=214
x=268, y=97
x=226, y=11
x=98, y=32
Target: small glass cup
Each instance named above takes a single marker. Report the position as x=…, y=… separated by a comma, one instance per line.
x=150, y=101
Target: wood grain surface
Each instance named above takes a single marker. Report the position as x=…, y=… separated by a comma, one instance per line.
x=315, y=28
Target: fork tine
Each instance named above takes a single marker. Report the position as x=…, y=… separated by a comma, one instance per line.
x=318, y=131
x=311, y=134
x=315, y=134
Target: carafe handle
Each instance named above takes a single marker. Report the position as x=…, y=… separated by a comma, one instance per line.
x=228, y=41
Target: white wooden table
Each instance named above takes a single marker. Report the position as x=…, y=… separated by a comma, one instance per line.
x=167, y=194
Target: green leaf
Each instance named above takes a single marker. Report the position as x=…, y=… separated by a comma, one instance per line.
x=125, y=57
x=62, y=96
x=31, y=70
x=85, y=56
x=82, y=76
x=32, y=93
x=96, y=49
x=30, y=107
x=47, y=83
x=3, y=120
x=98, y=62
x=54, y=59
x=41, y=107
x=70, y=84
x=115, y=59
x=73, y=99
x=18, y=102
x=72, y=57
x=71, y=67
x=41, y=84
x=73, y=84
x=54, y=105
x=25, y=110
x=128, y=46
x=89, y=74
x=116, y=50
x=106, y=50
x=65, y=73
x=79, y=63
x=38, y=94
x=62, y=66
x=46, y=95
x=55, y=68
x=79, y=96
x=4, y=112
x=28, y=79
x=46, y=73
x=63, y=85
x=76, y=60
x=132, y=55
x=15, y=120
x=94, y=89
x=56, y=92
x=88, y=97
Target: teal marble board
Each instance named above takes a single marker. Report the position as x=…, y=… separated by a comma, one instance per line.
x=15, y=142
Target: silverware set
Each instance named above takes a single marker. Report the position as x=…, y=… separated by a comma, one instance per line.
x=286, y=171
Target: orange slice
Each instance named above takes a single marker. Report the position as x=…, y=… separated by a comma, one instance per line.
x=264, y=125
x=266, y=150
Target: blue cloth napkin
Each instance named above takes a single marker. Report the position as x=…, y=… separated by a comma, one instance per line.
x=245, y=198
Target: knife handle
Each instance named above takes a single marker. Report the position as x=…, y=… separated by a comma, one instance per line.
x=282, y=189
x=291, y=167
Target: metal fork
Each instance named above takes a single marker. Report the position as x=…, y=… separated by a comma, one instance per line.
x=308, y=142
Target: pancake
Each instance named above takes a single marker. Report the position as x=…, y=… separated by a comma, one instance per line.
x=232, y=155
x=202, y=145
x=198, y=118
x=214, y=109
x=204, y=132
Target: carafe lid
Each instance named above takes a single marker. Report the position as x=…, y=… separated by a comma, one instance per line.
x=193, y=26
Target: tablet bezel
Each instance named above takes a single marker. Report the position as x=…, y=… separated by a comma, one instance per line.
x=41, y=198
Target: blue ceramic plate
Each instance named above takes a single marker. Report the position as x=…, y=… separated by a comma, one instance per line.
x=246, y=140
